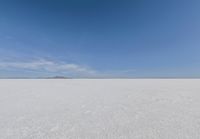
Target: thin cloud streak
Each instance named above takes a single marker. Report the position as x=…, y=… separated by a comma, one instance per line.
x=50, y=66
x=62, y=68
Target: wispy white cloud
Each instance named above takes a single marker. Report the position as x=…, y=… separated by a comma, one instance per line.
x=50, y=66
x=44, y=66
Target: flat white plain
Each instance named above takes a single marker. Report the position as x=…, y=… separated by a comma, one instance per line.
x=100, y=109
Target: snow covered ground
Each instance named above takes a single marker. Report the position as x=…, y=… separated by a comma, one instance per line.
x=100, y=109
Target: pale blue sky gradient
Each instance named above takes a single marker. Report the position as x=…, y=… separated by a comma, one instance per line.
x=100, y=38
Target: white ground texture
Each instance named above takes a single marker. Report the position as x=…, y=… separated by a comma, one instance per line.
x=100, y=109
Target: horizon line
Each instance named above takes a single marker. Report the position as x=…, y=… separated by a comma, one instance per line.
x=99, y=77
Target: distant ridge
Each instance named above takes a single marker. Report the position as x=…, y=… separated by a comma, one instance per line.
x=58, y=77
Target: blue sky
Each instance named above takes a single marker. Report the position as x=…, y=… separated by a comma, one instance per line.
x=100, y=38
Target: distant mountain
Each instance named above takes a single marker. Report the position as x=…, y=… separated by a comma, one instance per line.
x=58, y=77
